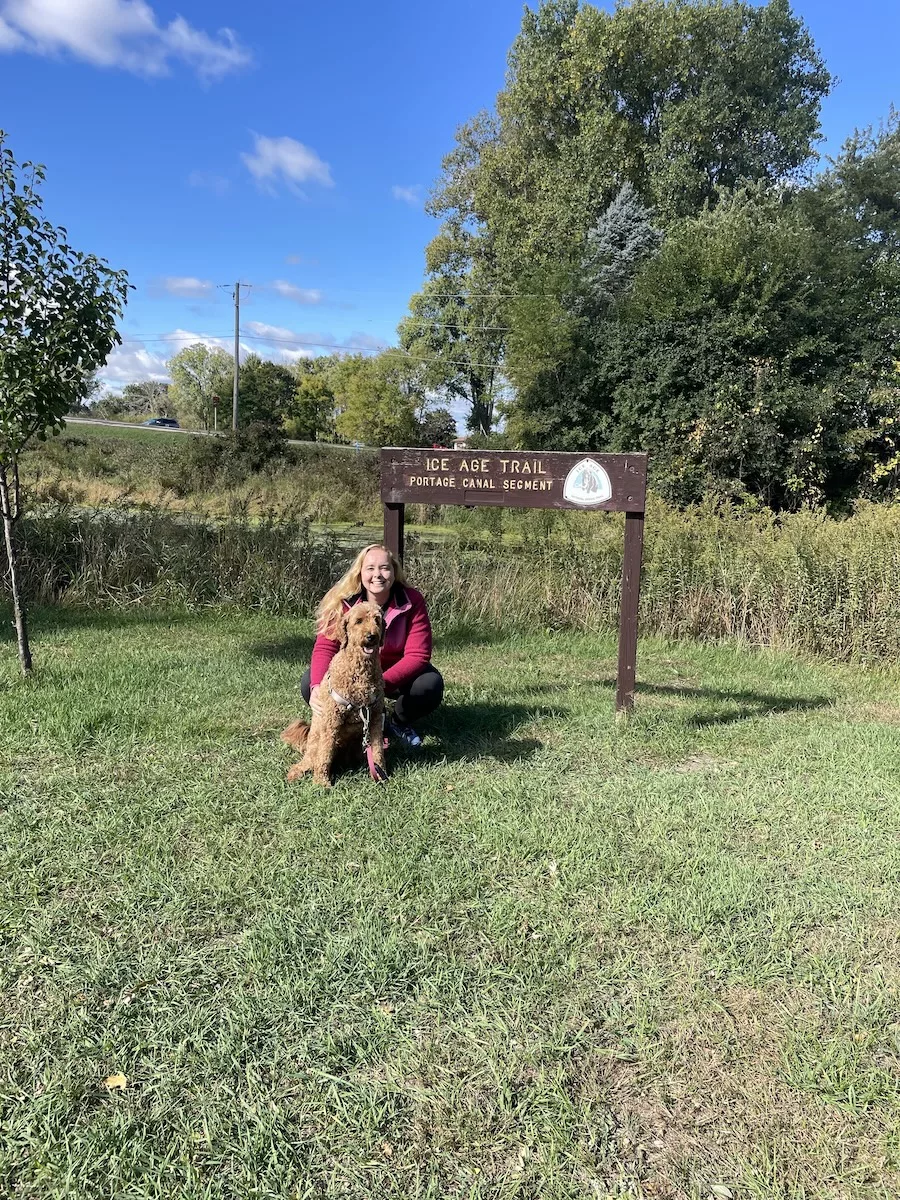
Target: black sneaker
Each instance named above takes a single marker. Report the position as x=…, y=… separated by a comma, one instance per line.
x=404, y=734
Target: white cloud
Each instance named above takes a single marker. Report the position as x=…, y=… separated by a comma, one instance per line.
x=284, y=160
x=299, y=295
x=136, y=361
x=9, y=39
x=364, y=341
x=185, y=286
x=179, y=338
x=287, y=345
x=260, y=329
x=133, y=364
x=409, y=195
x=208, y=179
x=117, y=33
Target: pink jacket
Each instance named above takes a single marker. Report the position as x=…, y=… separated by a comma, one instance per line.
x=407, y=640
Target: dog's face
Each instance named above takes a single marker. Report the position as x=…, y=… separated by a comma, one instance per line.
x=363, y=626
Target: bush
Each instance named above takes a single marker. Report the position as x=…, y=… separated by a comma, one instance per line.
x=802, y=582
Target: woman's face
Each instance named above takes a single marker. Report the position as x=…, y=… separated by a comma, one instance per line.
x=377, y=575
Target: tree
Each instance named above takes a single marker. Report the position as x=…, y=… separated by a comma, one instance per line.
x=198, y=373
x=148, y=397
x=378, y=398
x=58, y=313
x=81, y=405
x=682, y=100
x=454, y=330
x=313, y=406
x=752, y=354
x=437, y=427
x=266, y=391
x=638, y=226
x=677, y=101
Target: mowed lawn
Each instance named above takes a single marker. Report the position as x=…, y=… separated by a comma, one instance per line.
x=551, y=958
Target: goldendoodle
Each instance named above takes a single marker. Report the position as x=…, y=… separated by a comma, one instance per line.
x=351, y=698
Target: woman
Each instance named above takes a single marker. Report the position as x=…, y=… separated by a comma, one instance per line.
x=409, y=678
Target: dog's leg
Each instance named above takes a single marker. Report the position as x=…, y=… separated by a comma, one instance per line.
x=298, y=769
x=375, y=746
x=321, y=751
x=309, y=742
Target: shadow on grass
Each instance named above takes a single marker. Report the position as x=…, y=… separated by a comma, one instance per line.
x=296, y=649
x=459, y=637
x=61, y=617
x=477, y=731
x=742, y=705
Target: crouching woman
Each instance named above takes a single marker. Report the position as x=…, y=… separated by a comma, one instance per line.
x=410, y=679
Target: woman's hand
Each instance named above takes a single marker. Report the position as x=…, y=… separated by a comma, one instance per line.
x=314, y=702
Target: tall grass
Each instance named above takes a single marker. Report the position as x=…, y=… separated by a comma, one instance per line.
x=203, y=475
x=803, y=581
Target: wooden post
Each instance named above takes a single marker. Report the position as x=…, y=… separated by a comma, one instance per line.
x=628, y=611
x=394, y=521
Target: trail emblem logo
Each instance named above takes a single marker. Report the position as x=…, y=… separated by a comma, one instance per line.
x=587, y=484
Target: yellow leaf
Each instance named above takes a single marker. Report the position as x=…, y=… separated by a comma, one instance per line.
x=116, y=1082
x=387, y=1149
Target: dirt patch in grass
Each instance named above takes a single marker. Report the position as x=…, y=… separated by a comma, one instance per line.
x=885, y=714
x=722, y=1113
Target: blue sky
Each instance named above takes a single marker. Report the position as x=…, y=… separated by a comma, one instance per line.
x=290, y=145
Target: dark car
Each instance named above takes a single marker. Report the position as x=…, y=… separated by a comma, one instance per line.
x=163, y=423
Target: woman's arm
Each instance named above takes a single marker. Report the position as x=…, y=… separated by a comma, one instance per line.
x=416, y=650
x=324, y=650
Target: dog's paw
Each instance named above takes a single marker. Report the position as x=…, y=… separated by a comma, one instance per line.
x=295, y=772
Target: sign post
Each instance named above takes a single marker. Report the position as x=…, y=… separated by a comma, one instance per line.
x=530, y=479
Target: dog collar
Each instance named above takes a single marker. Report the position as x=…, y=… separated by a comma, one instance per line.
x=364, y=710
x=345, y=704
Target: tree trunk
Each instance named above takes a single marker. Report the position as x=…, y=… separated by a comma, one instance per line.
x=11, y=511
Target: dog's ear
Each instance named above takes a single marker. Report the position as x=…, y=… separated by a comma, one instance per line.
x=345, y=620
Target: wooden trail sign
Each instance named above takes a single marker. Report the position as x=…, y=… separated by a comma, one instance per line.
x=530, y=479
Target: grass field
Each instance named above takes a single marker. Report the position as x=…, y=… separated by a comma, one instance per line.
x=550, y=959
x=88, y=429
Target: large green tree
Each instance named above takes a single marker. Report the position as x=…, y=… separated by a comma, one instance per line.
x=58, y=314
x=752, y=354
x=200, y=372
x=663, y=268
x=679, y=99
x=312, y=413
x=266, y=391
x=378, y=398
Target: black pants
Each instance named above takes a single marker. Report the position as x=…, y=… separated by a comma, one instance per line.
x=416, y=700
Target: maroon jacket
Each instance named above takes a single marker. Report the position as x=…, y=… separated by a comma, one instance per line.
x=407, y=640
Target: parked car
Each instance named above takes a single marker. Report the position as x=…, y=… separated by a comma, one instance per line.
x=163, y=423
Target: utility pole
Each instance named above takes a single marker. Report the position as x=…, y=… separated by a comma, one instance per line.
x=237, y=349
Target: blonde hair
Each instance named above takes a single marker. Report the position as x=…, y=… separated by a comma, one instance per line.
x=331, y=608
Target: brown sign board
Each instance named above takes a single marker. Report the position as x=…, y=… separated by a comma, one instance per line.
x=530, y=479
x=538, y=479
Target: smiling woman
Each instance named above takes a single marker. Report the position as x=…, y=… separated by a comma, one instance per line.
x=410, y=679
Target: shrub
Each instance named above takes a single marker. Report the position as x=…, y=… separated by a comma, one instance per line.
x=804, y=581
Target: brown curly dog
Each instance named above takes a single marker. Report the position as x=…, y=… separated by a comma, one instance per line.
x=351, y=697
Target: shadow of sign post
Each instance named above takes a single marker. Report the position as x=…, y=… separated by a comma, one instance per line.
x=530, y=479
